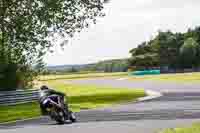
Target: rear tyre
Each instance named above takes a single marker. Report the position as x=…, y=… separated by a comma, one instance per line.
x=60, y=122
x=60, y=118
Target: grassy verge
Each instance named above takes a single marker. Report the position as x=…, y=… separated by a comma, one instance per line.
x=183, y=77
x=77, y=76
x=80, y=97
x=88, y=97
x=19, y=112
x=195, y=128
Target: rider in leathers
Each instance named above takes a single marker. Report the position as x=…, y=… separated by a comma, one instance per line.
x=46, y=93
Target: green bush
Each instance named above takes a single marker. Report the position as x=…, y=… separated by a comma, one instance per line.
x=8, y=78
x=13, y=76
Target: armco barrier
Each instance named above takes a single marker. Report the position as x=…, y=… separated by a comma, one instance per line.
x=146, y=72
x=17, y=97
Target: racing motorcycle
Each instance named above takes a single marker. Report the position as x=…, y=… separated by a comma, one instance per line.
x=58, y=112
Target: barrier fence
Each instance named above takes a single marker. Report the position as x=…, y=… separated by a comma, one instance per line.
x=18, y=97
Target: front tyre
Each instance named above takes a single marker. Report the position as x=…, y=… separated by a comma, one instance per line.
x=72, y=117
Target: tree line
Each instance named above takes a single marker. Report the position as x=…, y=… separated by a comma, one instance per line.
x=168, y=50
x=114, y=65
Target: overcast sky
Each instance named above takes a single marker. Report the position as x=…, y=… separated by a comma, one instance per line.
x=127, y=23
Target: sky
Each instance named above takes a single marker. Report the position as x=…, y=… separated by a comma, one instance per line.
x=127, y=23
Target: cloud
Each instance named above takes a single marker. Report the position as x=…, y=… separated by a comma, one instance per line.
x=126, y=25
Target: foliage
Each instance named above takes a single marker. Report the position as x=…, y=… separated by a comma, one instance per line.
x=115, y=65
x=172, y=50
x=29, y=28
x=188, y=52
x=168, y=51
x=13, y=75
x=145, y=61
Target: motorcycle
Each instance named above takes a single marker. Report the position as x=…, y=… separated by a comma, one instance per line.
x=58, y=112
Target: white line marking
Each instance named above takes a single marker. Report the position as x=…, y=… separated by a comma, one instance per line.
x=122, y=79
x=150, y=95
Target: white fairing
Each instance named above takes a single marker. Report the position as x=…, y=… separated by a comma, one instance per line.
x=45, y=101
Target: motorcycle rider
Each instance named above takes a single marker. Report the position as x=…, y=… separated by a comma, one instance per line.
x=45, y=94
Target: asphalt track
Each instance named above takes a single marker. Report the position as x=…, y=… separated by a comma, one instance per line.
x=164, y=87
x=179, y=106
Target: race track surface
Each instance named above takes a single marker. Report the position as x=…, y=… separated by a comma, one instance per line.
x=179, y=106
x=160, y=86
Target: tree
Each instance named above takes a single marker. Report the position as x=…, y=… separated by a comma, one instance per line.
x=28, y=28
x=143, y=48
x=145, y=56
x=169, y=45
x=145, y=61
x=188, y=52
x=169, y=50
x=73, y=70
x=195, y=34
x=197, y=60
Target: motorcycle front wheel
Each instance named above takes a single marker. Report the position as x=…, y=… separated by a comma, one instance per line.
x=72, y=117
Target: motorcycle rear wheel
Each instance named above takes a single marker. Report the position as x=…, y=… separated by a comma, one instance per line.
x=60, y=118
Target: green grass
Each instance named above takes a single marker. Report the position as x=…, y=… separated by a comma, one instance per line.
x=77, y=76
x=87, y=97
x=19, y=112
x=195, y=128
x=183, y=77
x=80, y=98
